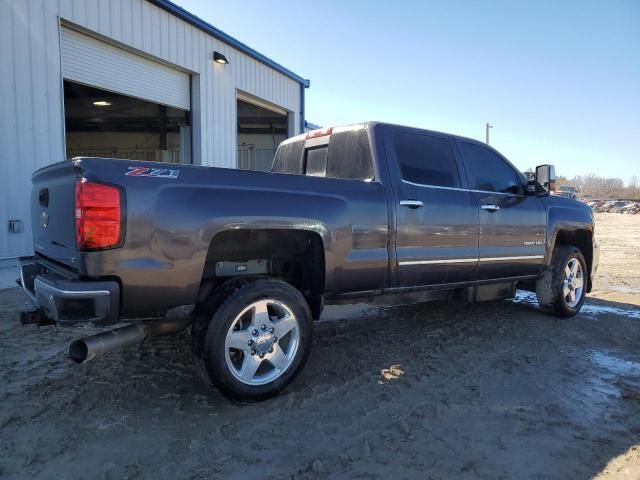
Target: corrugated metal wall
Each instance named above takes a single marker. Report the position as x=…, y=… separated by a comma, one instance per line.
x=31, y=100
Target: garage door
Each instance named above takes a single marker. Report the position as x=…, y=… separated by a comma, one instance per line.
x=93, y=62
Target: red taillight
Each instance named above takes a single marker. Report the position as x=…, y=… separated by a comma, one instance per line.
x=321, y=132
x=97, y=215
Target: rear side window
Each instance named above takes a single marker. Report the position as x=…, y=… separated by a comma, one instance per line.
x=350, y=156
x=487, y=171
x=426, y=159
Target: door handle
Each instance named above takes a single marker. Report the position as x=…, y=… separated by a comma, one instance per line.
x=411, y=203
x=490, y=207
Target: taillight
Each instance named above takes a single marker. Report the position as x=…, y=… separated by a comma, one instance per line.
x=321, y=132
x=98, y=215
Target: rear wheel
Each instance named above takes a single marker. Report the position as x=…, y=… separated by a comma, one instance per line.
x=253, y=337
x=561, y=290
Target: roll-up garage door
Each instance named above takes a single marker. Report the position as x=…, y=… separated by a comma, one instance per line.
x=92, y=62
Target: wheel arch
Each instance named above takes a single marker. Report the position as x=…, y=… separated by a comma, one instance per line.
x=582, y=238
x=297, y=256
x=570, y=223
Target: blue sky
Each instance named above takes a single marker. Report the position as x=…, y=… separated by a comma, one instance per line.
x=559, y=81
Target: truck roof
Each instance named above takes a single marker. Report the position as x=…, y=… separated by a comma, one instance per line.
x=371, y=124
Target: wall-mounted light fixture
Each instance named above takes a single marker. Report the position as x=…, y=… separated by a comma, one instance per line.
x=220, y=58
x=102, y=103
x=15, y=226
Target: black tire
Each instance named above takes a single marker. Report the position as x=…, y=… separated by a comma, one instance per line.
x=214, y=319
x=549, y=287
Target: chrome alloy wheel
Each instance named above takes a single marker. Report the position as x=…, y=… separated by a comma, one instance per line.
x=262, y=342
x=573, y=282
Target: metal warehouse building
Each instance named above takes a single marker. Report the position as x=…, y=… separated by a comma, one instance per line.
x=137, y=79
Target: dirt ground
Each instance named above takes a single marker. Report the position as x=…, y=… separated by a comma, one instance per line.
x=495, y=390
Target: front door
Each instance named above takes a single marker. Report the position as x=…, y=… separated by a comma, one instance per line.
x=512, y=224
x=436, y=219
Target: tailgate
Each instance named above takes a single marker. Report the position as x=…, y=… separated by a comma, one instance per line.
x=52, y=212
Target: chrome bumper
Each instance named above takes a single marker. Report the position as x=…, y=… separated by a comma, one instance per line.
x=68, y=300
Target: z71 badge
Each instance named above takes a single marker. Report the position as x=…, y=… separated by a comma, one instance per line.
x=152, y=172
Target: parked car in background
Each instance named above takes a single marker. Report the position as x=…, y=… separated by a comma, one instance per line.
x=567, y=191
x=607, y=206
x=615, y=206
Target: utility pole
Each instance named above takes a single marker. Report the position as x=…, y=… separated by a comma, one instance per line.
x=486, y=132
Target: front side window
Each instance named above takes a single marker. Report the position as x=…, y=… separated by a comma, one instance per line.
x=426, y=160
x=487, y=171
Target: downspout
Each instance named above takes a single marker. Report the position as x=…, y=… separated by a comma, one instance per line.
x=302, y=119
x=302, y=87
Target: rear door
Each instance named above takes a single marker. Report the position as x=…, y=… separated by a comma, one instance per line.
x=436, y=218
x=512, y=224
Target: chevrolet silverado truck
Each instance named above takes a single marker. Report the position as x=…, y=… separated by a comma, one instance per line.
x=364, y=213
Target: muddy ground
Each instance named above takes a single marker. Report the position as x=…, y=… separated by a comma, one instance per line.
x=494, y=390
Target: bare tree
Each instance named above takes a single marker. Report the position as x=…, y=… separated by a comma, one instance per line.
x=593, y=185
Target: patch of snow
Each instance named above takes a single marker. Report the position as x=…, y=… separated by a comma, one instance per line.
x=615, y=365
x=591, y=309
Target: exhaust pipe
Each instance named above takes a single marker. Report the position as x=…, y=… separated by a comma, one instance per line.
x=88, y=348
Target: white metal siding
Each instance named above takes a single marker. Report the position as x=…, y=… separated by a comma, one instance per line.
x=31, y=102
x=93, y=62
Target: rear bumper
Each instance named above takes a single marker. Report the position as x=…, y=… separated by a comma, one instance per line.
x=68, y=300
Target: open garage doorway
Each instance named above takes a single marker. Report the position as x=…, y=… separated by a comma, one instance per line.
x=99, y=123
x=261, y=128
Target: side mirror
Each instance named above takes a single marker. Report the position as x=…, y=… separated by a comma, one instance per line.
x=546, y=176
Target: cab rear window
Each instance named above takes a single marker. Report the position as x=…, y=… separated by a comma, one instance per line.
x=344, y=155
x=316, y=162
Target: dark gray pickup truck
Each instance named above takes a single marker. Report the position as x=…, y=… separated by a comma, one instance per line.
x=363, y=213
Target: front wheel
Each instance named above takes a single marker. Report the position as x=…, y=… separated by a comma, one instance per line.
x=561, y=290
x=253, y=337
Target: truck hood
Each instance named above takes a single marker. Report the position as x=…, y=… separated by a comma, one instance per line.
x=580, y=210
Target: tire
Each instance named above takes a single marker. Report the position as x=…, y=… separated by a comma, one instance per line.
x=226, y=347
x=551, y=288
